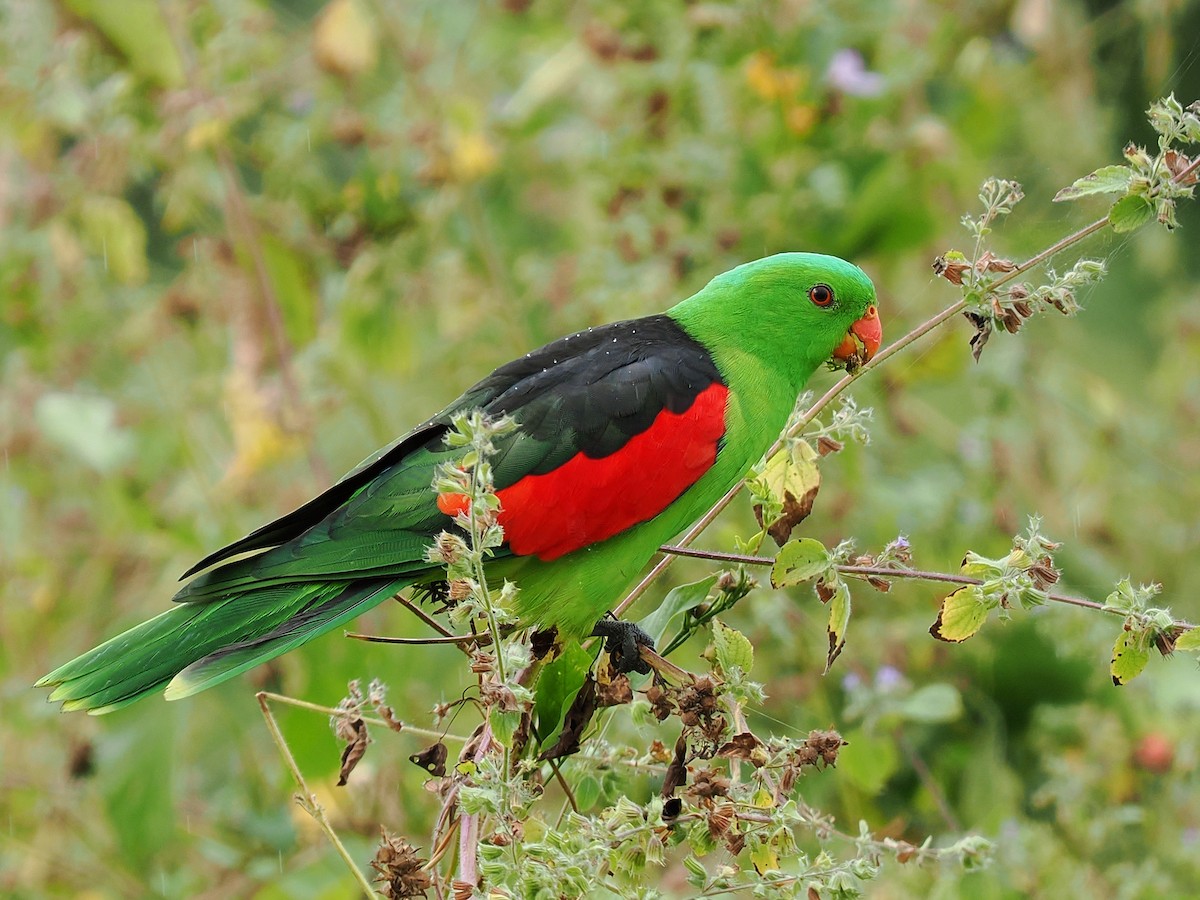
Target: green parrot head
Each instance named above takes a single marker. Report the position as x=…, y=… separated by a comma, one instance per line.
x=791, y=312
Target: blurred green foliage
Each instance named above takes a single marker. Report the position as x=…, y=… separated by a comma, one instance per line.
x=246, y=242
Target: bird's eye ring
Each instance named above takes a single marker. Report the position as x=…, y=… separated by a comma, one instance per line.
x=821, y=294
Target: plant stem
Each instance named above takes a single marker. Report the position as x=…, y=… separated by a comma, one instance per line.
x=1049, y=252
x=828, y=397
x=306, y=798
x=370, y=720
x=885, y=572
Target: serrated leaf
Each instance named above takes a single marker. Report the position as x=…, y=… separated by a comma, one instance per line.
x=799, y=561
x=1130, y=656
x=839, y=621
x=733, y=648
x=962, y=614
x=1106, y=180
x=1130, y=213
x=675, y=604
x=793, y=477
x=1189, y=640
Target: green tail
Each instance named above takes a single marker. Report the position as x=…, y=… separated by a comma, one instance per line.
x=197, y=645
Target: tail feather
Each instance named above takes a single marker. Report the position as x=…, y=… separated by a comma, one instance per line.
x=195, y=646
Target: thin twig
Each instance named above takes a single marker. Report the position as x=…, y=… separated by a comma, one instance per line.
x=930, y=783
x=562, y=782
x=482, y=640
x=811, y=413
x=423, y=616
x=306, y=798
x=885, y=572
x=370, y=720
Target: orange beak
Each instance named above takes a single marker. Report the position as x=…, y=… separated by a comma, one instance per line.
x=863, y=338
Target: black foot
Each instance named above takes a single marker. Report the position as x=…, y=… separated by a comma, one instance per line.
x=621, y=640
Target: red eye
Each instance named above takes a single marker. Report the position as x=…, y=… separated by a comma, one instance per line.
x=821, y=294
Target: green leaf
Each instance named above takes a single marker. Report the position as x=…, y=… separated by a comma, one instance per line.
x=1130, y=213
x=933, y=703
x=1189, y=640
x=1106, y=180
x=293, y=289
x=733, y=648
x=962, y=614
x=867, y=761
x=839, y=621
x=798, y=561
x=557, y=686
x=587, y=792
x=136, y=28
x=504, y=725
x=137, y=786
x=674, y=605
x=117, y=235
x=1130, y=655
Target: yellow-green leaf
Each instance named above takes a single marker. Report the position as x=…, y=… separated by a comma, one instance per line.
x=1189, y=640
x=793, y=477
x=764, y=857
x=1130, y=655
x=733, y=648
x=962, y=614
x=117, y=235
x=345, y=40
x=293, y=289
x=839, y=621
x=798, y=561
x=1105, y=180
x=137, y=29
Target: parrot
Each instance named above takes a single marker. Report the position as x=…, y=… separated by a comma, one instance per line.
x=626, y=434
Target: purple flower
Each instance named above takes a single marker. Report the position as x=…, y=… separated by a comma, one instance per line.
x=888, y=677
x=847, y=73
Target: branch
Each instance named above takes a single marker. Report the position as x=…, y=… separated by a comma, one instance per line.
x=844, y=382
x=885, y=572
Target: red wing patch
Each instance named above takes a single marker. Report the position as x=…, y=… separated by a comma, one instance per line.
x=585, y=500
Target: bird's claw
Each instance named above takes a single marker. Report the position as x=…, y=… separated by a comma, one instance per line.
x=623, y=641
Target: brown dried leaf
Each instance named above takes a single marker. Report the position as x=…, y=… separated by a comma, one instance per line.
x=827, y=445
x=615, y=692
x=660, y=702
x=389, y=715
x=990, y=262
x=1164, y=641
x=578, y=717
x=708, y=784
x=951, y=269
x=983, y=331
x=745, y=746
x=677, y=770
x=432, y=759
x=354, y=750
